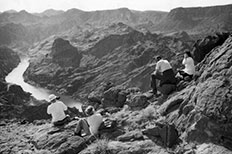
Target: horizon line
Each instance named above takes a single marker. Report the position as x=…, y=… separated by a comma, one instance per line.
x=65, y=10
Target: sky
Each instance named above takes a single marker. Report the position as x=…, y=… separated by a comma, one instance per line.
x=91, y=5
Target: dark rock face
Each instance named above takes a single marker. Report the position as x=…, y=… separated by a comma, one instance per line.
x=8, y=60
x=65, y=54
x=12, y=99
x=204, y=46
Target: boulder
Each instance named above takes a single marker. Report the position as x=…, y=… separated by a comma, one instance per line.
x=131, y=136
x=114, y=97
x=138, y=101
x=59, y=140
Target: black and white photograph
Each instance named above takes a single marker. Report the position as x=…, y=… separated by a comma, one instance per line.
x=115, y=77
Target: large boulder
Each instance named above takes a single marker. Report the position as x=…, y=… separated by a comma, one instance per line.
x=114, y=97
x=138, y=101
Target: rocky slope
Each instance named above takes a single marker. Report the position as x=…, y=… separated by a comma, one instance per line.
x=117, y=53
x=201, y=112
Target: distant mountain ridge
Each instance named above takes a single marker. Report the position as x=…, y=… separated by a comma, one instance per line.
x=49, y=12
x=199, y=20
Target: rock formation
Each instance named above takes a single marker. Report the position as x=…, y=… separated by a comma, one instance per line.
x=117, y=46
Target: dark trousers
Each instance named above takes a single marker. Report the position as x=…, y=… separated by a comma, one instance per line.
x=167, y=77
x=62, y=122
x=184, y=74
x=82, y=125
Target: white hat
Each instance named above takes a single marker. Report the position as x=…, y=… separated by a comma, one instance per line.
x=52, y=97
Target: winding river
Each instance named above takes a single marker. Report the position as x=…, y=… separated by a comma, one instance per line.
x=16, y=77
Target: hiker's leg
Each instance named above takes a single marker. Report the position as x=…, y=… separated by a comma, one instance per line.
x=61, y=122
x=154, y=77
x=183, y=73
x=82, y=125
x=86, y=127
x=79, y=127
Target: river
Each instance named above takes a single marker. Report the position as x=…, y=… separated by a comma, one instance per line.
x=16, y=77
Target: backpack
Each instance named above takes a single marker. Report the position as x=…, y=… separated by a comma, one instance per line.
x=169, y=135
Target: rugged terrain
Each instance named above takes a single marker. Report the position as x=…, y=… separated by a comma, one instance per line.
x=103, y=58
x=201, y=113
x=120, y=55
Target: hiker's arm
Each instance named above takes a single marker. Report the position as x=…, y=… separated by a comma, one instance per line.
x=152, y=64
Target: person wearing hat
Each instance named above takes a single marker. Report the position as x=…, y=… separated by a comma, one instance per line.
x=89, y=125
x=164, y=73
x=57, y=110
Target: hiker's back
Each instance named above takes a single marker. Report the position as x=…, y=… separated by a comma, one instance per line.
x=94, y=122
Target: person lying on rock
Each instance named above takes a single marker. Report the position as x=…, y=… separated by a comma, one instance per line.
x=189, y=70
x=57, y=110
x=89, y=125
x=164, y=73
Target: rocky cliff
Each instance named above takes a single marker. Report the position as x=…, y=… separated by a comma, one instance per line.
x=8, y=60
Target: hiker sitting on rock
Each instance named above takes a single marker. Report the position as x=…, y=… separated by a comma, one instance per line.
x=189, y=70
x=57, y=110
x=89, y=125
x=164, y=73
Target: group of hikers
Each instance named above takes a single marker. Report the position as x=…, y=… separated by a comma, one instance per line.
x=85, y=126
x=165, y=75
x=90, y=125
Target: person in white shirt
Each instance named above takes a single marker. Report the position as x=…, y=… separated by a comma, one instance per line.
x=188, y=62
x=57, y=110
x=89, y=125
x=164, y=73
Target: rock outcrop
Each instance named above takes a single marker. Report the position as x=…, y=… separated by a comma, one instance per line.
x=65, y=54
x=8, y=60
x=204, y=46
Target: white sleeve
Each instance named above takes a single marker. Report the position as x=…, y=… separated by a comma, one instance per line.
x=184, y=61
x=48, y=110
x=64, y=107
x=157, y=68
